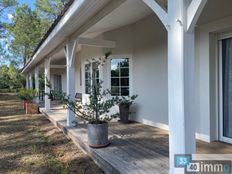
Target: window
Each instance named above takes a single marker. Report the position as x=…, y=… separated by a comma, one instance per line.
x=88, y=76
x=57, y=83
x=120, y=77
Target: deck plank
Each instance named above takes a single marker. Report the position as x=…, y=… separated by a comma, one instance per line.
x=135, y=148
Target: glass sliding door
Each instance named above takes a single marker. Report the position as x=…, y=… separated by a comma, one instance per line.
x=226, y=87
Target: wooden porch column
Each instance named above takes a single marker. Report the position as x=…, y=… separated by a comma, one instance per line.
x=47, y=80
x=70, y=53
x=37, y=83
x=180, y=21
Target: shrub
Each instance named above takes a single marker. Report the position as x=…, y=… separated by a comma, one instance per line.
x=27, y=94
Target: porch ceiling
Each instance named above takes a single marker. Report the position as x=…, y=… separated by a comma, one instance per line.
x=134, y=10
x=128, y=13
x=215, y=10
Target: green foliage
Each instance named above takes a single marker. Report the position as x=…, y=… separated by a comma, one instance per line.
x=4, y=56
x=28, y=26
x=27, y=94
x=10, y=77
x=5, y=7
x=26, y=30
x=125, y=100
x=49, y=10
x=48, y=83
x=97, y=109
x=41, y=81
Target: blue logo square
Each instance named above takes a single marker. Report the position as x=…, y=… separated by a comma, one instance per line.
x=182, y=160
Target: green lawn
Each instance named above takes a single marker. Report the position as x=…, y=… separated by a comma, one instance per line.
x=31, y=144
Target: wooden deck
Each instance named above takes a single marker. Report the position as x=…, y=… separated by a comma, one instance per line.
x=135, y=148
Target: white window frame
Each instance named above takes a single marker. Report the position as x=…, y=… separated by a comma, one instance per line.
x=130, y=70
x=91, y=71
x=220, y=90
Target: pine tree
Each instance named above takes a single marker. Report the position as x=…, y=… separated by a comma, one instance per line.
x=49, y=10
x=26, y=31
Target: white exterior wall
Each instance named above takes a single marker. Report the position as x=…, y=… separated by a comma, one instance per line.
x=207, y=76
x=86, y=54
x=150, y=72
x=149, y=68
x=64, y=82
x=146, y=43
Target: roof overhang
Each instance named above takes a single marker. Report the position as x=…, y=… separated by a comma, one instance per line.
x=81, y=15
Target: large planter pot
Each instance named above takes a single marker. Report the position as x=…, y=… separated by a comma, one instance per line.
x=98, y=135
x=32, y=108
x=124, y=112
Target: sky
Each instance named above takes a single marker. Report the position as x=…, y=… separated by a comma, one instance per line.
x=29, y=2
x=8, y=14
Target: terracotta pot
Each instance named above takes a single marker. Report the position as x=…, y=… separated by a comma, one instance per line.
x=32, y=108
x=124, y=112
x=98, y=135
x=24, y=104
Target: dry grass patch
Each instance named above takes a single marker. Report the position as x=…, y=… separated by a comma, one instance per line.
x=31, y=144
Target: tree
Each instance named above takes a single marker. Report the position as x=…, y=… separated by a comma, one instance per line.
x=5, y=7
x=49, y=10
x=27, y=26
x=26, y=31
x=4, y=77
x=10, y=77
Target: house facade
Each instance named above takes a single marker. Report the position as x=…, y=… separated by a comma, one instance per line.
x=176, y=55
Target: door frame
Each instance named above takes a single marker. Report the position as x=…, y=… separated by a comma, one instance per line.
x=220, y=91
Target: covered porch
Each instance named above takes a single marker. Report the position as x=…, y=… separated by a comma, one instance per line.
x=176, y=82
x=135, y=148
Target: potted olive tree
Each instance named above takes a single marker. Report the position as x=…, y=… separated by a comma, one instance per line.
x=97, y=110
x=124, y=103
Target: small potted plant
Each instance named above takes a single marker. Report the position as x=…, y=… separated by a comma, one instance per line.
x=124, y=103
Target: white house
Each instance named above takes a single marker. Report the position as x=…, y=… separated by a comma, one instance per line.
x=177, y=58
